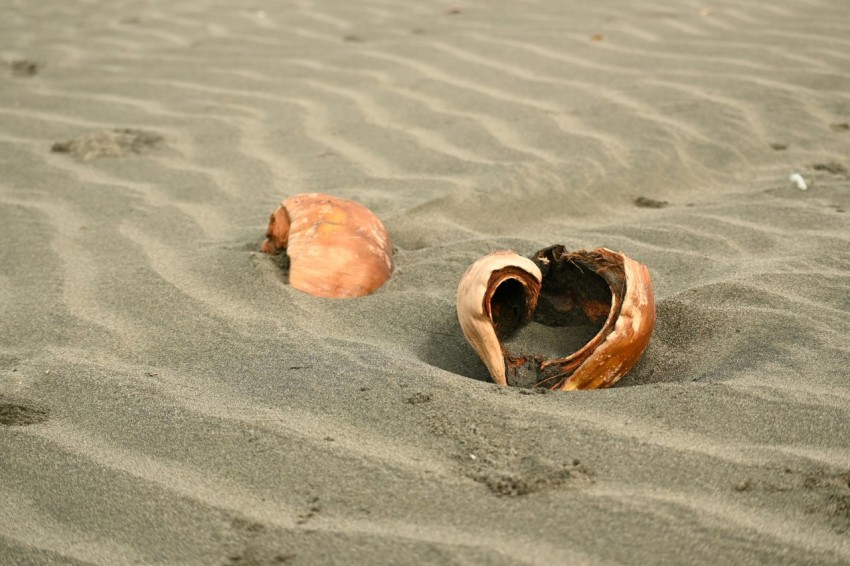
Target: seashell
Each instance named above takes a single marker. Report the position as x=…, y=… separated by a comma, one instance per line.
x=798, y=181
x=337, y=248
x=503, y=291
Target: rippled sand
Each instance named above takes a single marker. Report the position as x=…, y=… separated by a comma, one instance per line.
x=166, y=398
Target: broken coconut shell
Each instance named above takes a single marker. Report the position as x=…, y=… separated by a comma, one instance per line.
x=503, y=291
x=337, y=248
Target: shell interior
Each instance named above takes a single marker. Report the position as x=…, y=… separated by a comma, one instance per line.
x=577, y=308
x=511, y=300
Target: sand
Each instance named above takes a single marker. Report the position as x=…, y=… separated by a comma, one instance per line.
x=166, y=398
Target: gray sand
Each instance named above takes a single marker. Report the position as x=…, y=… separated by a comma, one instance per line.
x=166, y=398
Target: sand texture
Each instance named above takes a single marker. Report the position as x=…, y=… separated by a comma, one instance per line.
x=166, y=397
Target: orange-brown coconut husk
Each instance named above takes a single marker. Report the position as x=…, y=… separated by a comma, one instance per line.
x=502, y=291
x=337, y=248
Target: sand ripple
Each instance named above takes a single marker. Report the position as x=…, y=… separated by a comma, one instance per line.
x=166, y=398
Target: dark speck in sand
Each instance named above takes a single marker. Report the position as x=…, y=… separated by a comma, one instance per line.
x=248, y=525
x=312, y=511
x=644, y=202
x=24, y=68
x=108, y=143
x=831, y=167
x=351, y=38
x=778, y=146
x=533, y=390
x=527, y=475
x=419, y=398
x=19, y=413
x=840, y=127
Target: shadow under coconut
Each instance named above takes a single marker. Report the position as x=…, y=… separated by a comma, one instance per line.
x=447, y=349
x=696, y=338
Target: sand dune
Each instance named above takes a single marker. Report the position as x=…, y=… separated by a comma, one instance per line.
x=166, y=397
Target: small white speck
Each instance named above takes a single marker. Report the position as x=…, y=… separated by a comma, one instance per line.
x=473, y=457
x=798, y=181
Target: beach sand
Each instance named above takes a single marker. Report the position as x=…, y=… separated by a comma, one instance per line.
x=166, y=397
